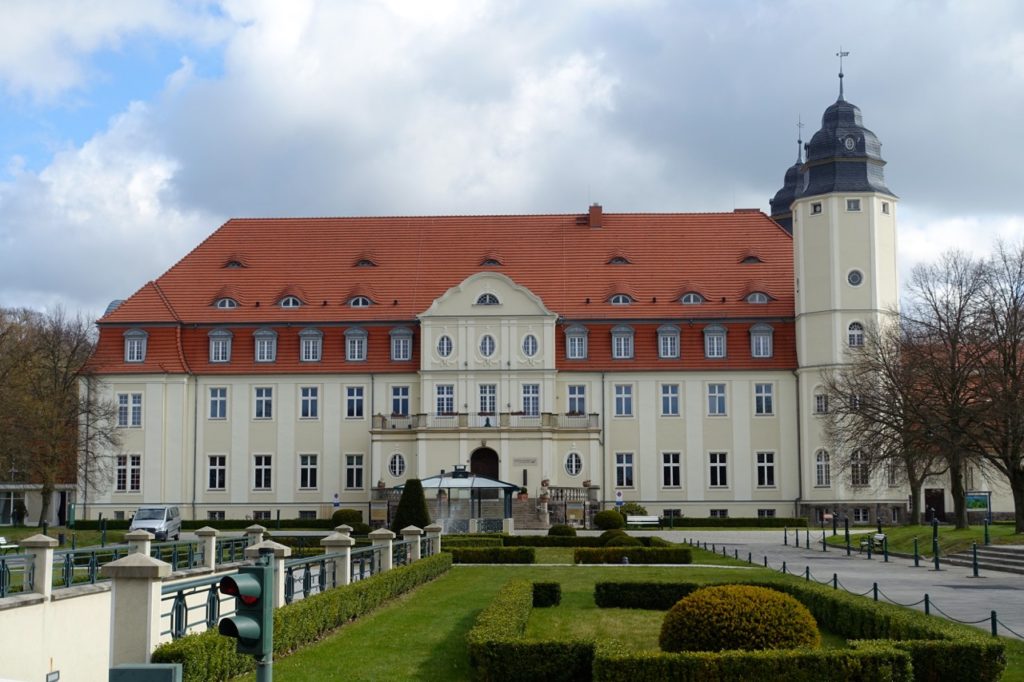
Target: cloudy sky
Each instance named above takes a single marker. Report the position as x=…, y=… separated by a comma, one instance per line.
x=130, y=130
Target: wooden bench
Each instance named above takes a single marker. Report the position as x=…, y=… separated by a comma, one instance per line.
x=876, y=541
x=4, y=545
x=633, y=520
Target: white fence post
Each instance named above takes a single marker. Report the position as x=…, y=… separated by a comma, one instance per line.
x=281, y=552
x=340, y=542
x=254, y=535
x=135, y=606
x=139, y=541
x=412, y=534
x=41, y=549
x=382, y=538
x=208, y=538
x=433, y=532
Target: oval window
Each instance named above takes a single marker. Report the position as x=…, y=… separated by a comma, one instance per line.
x=444, y=346
x=530, y=345
x=396, y=467
x=487, y=346
x=573, y=464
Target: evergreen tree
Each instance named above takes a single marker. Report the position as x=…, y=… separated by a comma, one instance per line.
x=412, y=507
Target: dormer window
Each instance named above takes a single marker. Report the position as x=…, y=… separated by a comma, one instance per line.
x=365, y=263
x=401, y=344
x=622, y=343
x=761, y=341
x=355, y=345
x=691, y=298
x=135, y=345
x=234, y=264
x=220, y=345
x=757, y=298
x=618, y=260
x=620, y=299
x=226, y=303
x=266, y=345
x=490, y=262
x=576, y=343
x=487, y=299
x=750, y=260
x=360, y=302
x=668, y=341
x=714, y=341
x=290, y=302
x=311, y=342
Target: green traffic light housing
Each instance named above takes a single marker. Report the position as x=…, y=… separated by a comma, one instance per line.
x=253, y=622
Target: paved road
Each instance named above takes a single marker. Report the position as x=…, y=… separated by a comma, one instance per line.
x=952, y=589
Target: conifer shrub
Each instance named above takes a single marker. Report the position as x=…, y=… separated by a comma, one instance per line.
x=346, y=517
x=412, y=507
x=562, y=530
x=608, y=519
x=747, y=617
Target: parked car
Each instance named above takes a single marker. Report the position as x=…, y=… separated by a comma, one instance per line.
x=163, y=522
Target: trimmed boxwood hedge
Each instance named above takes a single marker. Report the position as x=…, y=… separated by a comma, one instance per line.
x=550, y=541
x=224, y=524
x=733, y=522
x=491, y=555
x=939, y=649
x=210, y=656
x=448, y=541
x=636, y=555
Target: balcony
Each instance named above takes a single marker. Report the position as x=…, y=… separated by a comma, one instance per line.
x=485, y=421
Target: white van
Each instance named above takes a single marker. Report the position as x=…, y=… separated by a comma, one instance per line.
x=163, y=522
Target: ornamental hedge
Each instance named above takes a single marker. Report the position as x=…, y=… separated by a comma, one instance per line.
x=732, y=522
x=635, y=555
x=210, y=656
x=450, y=541
x=547, y=594
x=491, y=555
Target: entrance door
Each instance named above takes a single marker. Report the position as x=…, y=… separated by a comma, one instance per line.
x=484, y=462
x=935, y=499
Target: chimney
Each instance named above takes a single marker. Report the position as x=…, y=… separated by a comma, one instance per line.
x=595, y=216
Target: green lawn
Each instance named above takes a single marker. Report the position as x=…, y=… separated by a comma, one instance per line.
x=951, y=540
x=83, y=538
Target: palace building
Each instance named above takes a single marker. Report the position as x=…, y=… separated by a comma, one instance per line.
x=674, y=358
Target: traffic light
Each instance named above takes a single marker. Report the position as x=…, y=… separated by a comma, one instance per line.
x=253, y=622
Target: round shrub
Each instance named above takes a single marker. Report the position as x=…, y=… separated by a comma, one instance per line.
x=360, y=528
x=562, y=530
x=608, y=519
x=632, y=509
x=346, y=517
x=623, y=541
x=609, y=534
x=737, y=617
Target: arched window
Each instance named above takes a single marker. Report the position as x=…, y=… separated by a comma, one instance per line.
x=620, y=299
x=360, y=302
x=490, y=262
x=487, y=299
x=396, y=465
x=290, y=302
x=573, y=464
x=855, y=335
x=823, y=472
x=226, y=303
x=618, y=260
x=757, y=298
x=859, y=469
x=692, y=298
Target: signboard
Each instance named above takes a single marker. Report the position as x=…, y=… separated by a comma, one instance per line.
x=574, y=511
x=618, y=498
x=524, y=461
x=980, y=500
x=379, y=512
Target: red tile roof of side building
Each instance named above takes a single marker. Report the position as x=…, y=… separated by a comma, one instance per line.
x=560, y=258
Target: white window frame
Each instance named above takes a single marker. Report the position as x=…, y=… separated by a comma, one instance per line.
x=226, y=303
x=668, y=342
x=718, y=470
x=487, y=298
x=624, y=473
x=216, y=472
x=820, y=403
x=290, y=302
x=853, y=205
x=401, y=344
x=488, y=346
x=623, y=400
x=576, y=343
x=765, y=469
x=128, y=473
x=309, y=402
x=218, y=403
x=265, y=342
x=757, y=298
x=309, y=471
x=715, y=342
x=445, y=346
x=761, y=342
x=855, y=335
x=360, y=302
x=220, y=345
x=129, y=410
x=355, y=402
x=822, y=469
x=860, y=475
x=620, y=299
x=573, y=464
x=444, y=395
x=400, y=400
x=577, y=403
x=671, y=470
x=670, y=400
x=135, y=342
x=531, y=399
x=396, y=465
x=691, y=298
x=622, y=343
x=530, y=345
x=311, y=345
x=354, y=474
x=764, y=399
x=718, y=405
x=263, y=402
x=861, y=515
x=355, y=344
x=488, y=398
x=262, y=473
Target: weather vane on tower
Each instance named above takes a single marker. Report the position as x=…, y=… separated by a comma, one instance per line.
x=799, y=140
x=841, y=54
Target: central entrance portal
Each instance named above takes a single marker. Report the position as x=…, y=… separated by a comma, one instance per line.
x=484, y=462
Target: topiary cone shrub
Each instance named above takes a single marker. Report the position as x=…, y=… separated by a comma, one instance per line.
x=724, y=617
x=412, y=507
x=608, y=519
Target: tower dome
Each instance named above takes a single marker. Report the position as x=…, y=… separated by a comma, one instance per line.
x=783, y=199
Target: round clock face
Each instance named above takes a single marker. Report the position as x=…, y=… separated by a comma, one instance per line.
x=849, y=143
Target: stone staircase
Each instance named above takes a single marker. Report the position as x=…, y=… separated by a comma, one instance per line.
x=526, y=516
x=1005, y=558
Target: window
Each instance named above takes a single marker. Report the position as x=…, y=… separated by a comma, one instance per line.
x=307, y=472
x=264, y=402
x=757, y=298
x=714, y=341
x=262, y=472
x=576, y=343
x=487, y=299
x=355, y=345
x=618, y=260
x=860, y=515
x=365, y=263
x=855, y=278
x=290, y=302
x=219, y=403
x=820, y=403
x=220, y=345
x=855, y=335
x=401, y=344
x=215, y=515
x=399, y=401
x=353, y=472
x=670, y=400
x=858, y=469
x=487, y=345
x=266, y=345
x=261, y=515
x=359, y=302
x=354, y=402
x=671, y=476
x=309, y=398
x=853, y=204
x=217, y=472
x=892, y=474
x=668, y=342
x=490, y=262
x=445, y=398
x=623, y=400
x=396, y=465
x=530, y=345
x=129, y=410
x=226, y=303
x=885, y=207
x=716, y=400
x=765, y=470
x=766, y=513
x=531, y=399
x=620, y=299
x=444, y=346
x=691, y=298
x=718, y=471
x=719, y=513
x=623, y=469
x=488, y=398
x=311, y=345
x=128, y=474
x=761, y=341
x=577, y=399
x=573, y=464
x=764, y=402
x=622, y=343
x=307, y=514
x=822, y=470
x=816, y=208
x=135, y=345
